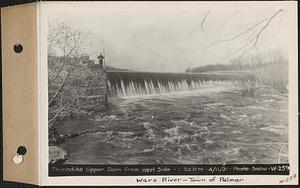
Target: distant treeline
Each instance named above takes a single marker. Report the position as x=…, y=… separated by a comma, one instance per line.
x=216, y=67
x=244, y=63
x=269, y=69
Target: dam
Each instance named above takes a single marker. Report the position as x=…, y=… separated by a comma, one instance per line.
x=126, y=83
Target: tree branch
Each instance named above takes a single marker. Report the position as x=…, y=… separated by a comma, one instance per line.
x=203, y=21
x=64, y=61
x=255, y=38
x=62, y=108
x=201, y=24
x=60, y=89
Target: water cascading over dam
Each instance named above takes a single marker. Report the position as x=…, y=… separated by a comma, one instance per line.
x=131, y=83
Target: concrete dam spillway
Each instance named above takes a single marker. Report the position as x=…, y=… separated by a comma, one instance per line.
x=132, y=83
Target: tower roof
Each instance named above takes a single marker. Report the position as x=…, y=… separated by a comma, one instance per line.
x=101, y=56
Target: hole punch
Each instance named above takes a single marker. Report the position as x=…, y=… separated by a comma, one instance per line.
x=18, y=158
x=21, y=150
x=18, y=48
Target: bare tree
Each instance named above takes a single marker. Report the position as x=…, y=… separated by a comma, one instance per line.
x=65, y=47
x=64, y=40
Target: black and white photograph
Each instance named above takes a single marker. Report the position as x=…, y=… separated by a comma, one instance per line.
x=162, y=84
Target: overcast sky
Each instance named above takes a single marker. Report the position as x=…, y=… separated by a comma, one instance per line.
x=167, y=37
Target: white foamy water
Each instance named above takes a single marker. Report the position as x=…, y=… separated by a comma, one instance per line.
x=146, y=88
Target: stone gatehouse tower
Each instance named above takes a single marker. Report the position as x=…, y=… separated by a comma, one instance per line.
x=96, y=90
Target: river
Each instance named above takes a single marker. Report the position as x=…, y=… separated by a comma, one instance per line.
x=209, y=127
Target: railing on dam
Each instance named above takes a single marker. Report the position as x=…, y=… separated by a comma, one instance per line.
x=131, y=83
